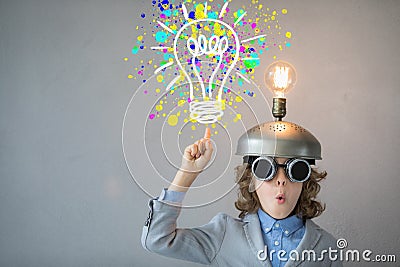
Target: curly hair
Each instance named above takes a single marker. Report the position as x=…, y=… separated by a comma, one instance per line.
x=307, y=207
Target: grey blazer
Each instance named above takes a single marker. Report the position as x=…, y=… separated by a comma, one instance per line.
x=225, y=241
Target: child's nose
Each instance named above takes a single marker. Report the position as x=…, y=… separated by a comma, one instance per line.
x=281, y=179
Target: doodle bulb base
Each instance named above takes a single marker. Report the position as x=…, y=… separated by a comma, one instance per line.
x=206, y=111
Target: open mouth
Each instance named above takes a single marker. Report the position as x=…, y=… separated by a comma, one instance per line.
x=280, y=198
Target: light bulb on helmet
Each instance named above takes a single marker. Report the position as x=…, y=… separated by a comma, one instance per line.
x=280, y=77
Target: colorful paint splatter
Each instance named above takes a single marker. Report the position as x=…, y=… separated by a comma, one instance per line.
x=198, y=42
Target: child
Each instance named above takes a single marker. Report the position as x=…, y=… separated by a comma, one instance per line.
x=277, y=190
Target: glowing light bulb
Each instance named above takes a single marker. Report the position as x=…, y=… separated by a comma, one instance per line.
x=280, y=77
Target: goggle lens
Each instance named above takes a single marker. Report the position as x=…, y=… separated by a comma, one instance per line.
x=263, y=169
x=300, y=170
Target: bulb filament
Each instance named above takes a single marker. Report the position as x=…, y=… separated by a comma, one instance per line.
x=281, y=77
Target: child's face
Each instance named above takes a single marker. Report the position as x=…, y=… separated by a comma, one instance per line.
x=278, y=196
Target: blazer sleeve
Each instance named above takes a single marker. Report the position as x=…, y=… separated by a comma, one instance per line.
x=161, y=235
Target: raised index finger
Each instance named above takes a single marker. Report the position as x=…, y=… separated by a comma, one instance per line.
x=207, y=133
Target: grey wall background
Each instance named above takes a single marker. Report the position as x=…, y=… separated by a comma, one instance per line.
x=66, y=197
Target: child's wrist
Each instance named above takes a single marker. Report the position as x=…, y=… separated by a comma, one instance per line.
x=182, y=181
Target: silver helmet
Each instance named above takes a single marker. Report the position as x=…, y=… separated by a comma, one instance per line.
x=279, y=139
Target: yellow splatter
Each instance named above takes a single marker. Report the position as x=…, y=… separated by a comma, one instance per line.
x=199, y=14
x=159, y=107
x=126, y=59
x=238, y=117
x=173, y=27
x=181, y=102
x=193, y=127
x=130, y=76
x=158, y=90
x=217, y=30
x=288, y=35
x=238, y=99
x=284, y=11
x=172, y=120
x=213, y=125
x=160, y=78
x=140, y=38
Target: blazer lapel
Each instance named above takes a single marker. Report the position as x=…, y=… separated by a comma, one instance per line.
x=254, y=237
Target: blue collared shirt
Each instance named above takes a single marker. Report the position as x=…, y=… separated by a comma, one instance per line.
x=280, y=235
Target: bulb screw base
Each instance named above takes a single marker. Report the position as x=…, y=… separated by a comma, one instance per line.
x=279, y=108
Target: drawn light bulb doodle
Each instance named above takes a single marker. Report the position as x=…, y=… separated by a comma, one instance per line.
x=206, y=108
x=206, y=50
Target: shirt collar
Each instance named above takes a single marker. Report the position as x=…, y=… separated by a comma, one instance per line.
x=287, y=225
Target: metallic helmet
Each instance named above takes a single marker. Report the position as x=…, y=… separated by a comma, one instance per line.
x=279, y=139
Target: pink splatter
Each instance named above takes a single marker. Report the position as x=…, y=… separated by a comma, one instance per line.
x=151, y=116
x=242, y=48
x=162, y=16
x=189, y=100
x=145, y=91
x=222, y=66
x=253, y=25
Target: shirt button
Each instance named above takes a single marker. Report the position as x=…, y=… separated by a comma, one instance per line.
x=276, y=243
x=277, y=225
x=286, y=232
x=267, y=229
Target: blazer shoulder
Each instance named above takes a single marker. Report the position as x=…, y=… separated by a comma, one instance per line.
x=220, y=216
